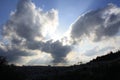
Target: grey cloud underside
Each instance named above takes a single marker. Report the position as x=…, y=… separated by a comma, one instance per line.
x=13, y=54
x=57, y=49
x=99, y=24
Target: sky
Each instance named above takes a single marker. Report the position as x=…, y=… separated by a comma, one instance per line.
x=58, y=32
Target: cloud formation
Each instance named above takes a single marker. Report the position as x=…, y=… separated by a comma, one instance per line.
x=29, y=22
x=27, y=30
x=56, y=48
x=27, y=33
x=97, y=25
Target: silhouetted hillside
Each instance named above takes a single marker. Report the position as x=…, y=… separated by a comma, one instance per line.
x=109, y=57
x=105, y=67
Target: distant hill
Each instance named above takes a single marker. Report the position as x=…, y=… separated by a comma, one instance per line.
x=108, y=57
x=106, y=67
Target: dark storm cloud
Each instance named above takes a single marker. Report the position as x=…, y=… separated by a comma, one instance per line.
x=99, y=24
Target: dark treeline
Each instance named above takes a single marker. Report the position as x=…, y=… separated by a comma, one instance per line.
x=106, y=67
x=9, y=72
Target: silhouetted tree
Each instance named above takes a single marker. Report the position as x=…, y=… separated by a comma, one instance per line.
x=3, y=60
x=9, y=72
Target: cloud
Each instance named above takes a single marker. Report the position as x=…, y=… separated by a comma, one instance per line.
x=56, y=48
x=14, y=53
x=26, y=36
x=29, y=22
x=97, y=25
x=95, y=32
x=27, y=30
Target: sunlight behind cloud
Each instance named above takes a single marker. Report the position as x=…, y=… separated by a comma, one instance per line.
x=33, y=35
